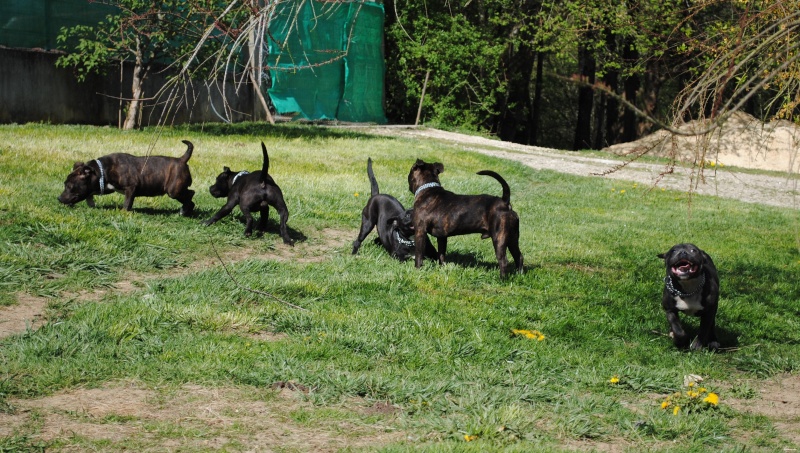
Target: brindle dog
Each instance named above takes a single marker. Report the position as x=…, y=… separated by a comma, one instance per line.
x=442, y=213
x=135, y=176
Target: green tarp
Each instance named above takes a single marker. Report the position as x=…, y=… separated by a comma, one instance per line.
x=36, y=23
x=327, y=56
x=328, y=63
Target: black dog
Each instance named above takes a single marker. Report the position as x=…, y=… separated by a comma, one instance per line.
x=251, y=191
x=691, y=286
x=395, y=230
x=146, y=176
x=442, y=213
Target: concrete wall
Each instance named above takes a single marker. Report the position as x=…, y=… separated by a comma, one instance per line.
x=32, y=89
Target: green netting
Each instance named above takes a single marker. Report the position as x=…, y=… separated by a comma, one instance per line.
x=37, y=23
x=327, y=60
x=327, y=55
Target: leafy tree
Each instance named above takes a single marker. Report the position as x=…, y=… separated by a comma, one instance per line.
x=459, y=45
x=143, y=32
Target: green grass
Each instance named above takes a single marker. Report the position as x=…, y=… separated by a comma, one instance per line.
x=435, y=342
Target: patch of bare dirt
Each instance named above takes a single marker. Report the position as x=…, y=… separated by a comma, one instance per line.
x=779, y=400
x=27, y=313
x=196, y=417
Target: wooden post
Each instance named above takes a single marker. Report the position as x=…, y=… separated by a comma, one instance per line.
x=422, y=97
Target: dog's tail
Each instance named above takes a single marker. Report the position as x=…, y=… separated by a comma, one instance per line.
x=188, y=153
x=373, y=183
x=506, y=190
x=265, y=165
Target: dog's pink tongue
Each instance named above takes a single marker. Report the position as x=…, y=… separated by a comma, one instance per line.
x=684, y=268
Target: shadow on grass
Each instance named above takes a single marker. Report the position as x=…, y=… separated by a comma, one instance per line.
x=472, y=260
x=728, y=339
x=272, y=228
x=285, y=130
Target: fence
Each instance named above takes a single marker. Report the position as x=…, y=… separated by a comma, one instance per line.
x=330, y=65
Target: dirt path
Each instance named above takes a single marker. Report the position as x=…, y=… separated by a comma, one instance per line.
x=772, y=190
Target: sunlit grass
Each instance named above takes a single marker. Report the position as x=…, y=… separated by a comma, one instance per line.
x=471, y=360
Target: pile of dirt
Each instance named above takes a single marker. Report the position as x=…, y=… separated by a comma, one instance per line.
x=743, y=141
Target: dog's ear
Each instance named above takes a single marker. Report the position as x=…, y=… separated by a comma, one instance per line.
x=438, y=168
x=77, y=165
x=87, y=171
x=662, y=255
x=226, y=170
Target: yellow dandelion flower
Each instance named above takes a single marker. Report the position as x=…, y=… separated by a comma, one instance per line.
x=469, y=438
x=622, y=191
x=614, y=380
x=702, y=390
x=691, y=384
x=712, y=399
x=529, y=334
x=665, y=404
x=355, y=194
x=676, y=410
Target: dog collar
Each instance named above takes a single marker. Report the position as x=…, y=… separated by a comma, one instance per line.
x=402, y=240
x=241, y=173
x=677, y=293
x=426, y=186
x=102, y=177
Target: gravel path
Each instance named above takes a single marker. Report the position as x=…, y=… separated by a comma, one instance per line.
x=772, y=190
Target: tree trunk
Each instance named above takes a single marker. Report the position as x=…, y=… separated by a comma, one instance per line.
x=629, y=129
x=512, y=120
x=139, y=74
x=583, y=128
x=611, y=79
x=652, y=86
x=535, y=112
x=256, y=65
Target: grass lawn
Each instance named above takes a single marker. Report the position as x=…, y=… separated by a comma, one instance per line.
x=382, y=356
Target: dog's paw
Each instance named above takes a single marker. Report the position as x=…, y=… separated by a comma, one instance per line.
x=681, y=341
x=698, y=345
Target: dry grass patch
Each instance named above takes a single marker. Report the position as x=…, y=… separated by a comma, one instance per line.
x=193, y=417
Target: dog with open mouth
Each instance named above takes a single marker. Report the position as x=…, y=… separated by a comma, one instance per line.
x=691, y=286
